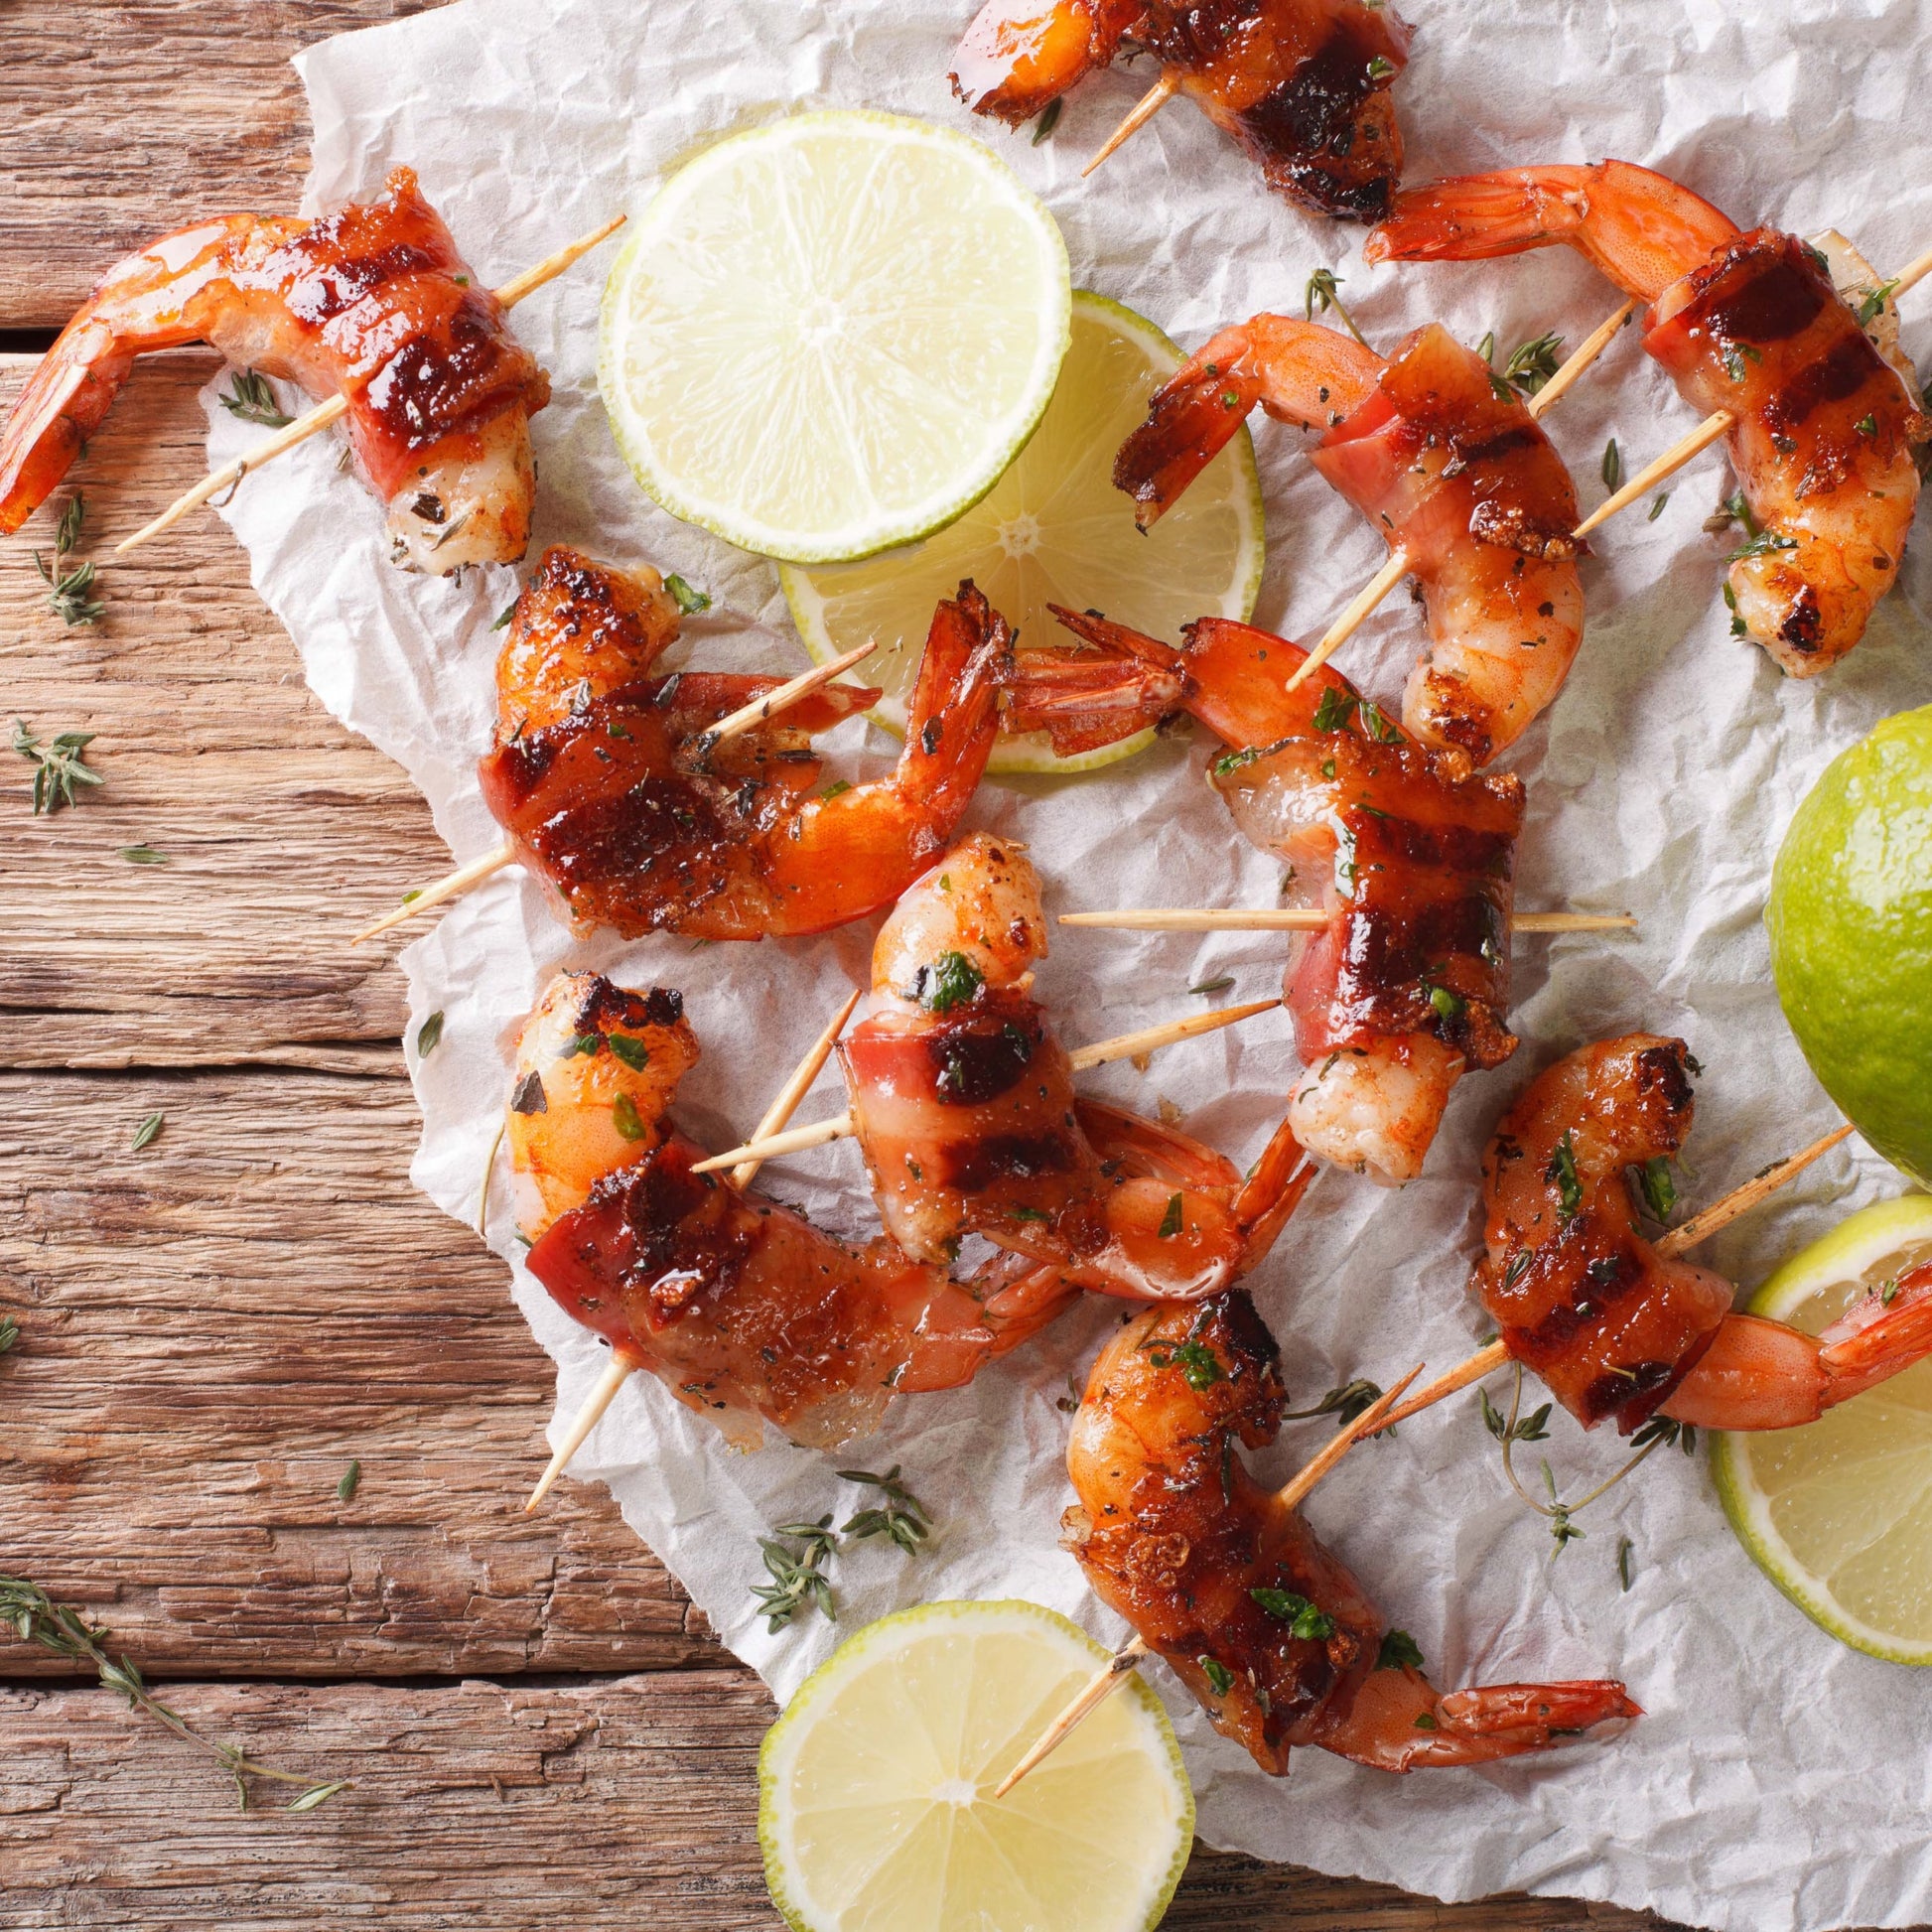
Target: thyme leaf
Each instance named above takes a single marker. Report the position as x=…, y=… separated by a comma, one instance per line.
x=1398, y=1651
x=254, y=401
x=147, y=1130
x=901, y=1516
x=1048, y=119
x=429, y=1034
x=1320, y=297
x=1344, y=1403
x=689, y=602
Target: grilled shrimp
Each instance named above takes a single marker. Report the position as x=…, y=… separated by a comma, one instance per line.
x=1456, y=478
x=1269, y=1630
x=1613, y=1327
x=371, y=302
x=1754, y=325
x=615, y=793
x=963, y=1103
x=1301, y=85
x=1409, y=852
x=596, y=1069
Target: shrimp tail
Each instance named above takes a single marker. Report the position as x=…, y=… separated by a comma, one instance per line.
x=954, y=713
x=1190, y=419
x=57, y=411
x=1532, y=1716
x=1477, y=217
x=1272, y=1192
x=1148, y=1151
x=1084, y=699
x=1885, y=1334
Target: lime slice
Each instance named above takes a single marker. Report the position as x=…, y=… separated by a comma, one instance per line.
x=1839, y=1513
x=1055, y=529
x=832, y=333
x=874, y=1805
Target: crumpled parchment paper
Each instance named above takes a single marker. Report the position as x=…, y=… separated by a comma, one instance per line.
x=1777, y=1780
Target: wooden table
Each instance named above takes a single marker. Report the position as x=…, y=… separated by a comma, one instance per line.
x=541, y=1729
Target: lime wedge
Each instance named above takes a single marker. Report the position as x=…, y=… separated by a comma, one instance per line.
x=832, y=333
x=874, y=1805
x=1055, y=529
x=1839, y=1513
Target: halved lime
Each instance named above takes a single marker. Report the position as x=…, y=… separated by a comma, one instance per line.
x=832, y=333
x=1839, y=1513
x=1055, y=529
x=876, y=1811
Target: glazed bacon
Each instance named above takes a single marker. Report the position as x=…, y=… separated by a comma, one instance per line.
x=1301, y=85
x=748, y=1314
x=1575, y=1292
x=372, y=303
x=1824, y=438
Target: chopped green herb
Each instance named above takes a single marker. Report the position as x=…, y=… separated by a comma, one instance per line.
x=57, y=766
x=428, y=1033
x=1874, y=301
x=1170, y=1220
x=510, y=610
x=1302, y=1618
x=1048, y=119
x=1761, y=545
x=1220, y=1680
x=625, y=1117
x=1659, y=1189
x=1336, y=709
x=350, y=1482
x=1448, y=1005
x=147, y=1130
x=254, y=401
x=1868, y=425
x=1380, y=68
x=1379, y=725
x=1426, y=1720
x=953, y=980
x=688, y=601
x=835, y=787
x=1613, y=466
x=1561, y=1172
x=630, y=1050
x=1398, y=1651
x=580, y=1046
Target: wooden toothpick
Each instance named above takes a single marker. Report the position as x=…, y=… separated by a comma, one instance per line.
x=324, y=413
x=1143, y=112
x=1127, y=1046
x=1311, y=918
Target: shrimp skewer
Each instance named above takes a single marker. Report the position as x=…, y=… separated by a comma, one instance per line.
x=654, y=804
x=1301, y=86
x=1226, y=1582
x=1752, y=328
x=1463, y=486
x=963, y=1104
x=1406, y=852
x=1618, y=1326
x=372, y=303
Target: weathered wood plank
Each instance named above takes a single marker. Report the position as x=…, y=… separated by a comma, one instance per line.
x=121, y=121
x=594, y=1803
x=284, y=833
x=212, y=1328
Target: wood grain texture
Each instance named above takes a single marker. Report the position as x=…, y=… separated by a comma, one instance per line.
x=596, y=1802
x=212, y=1328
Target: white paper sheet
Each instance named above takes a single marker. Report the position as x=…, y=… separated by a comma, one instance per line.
x=1778, y=1780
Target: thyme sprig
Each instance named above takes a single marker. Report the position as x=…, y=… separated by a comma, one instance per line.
x=798, y=1579
x=1345, y=1403
x=901, y=1516
x=254, y=401
x=68, y=591
x=1561, y=1515
x=37, y=1618
x=57, y=766
x=1320, y=297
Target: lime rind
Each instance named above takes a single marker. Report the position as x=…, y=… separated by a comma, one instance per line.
x=778, y=1755
x=1877, y=1501
x=999, y=436
x=1234, y=471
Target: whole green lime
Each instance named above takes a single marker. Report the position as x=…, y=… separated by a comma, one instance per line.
x=1850, y=925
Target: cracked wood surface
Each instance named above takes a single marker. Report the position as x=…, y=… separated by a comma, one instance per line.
x=541, y=1730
